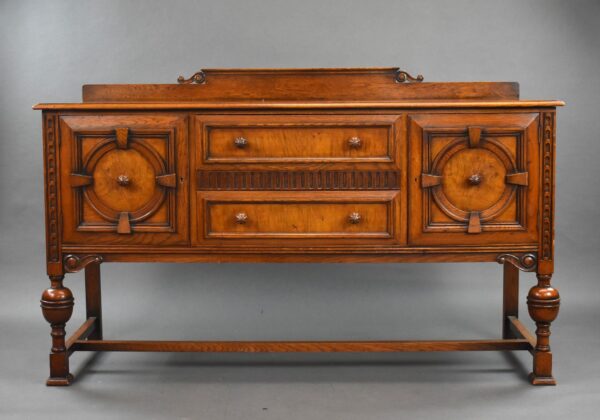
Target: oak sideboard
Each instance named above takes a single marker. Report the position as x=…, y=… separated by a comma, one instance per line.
x=300, y=165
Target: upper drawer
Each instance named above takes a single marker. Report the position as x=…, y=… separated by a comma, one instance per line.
x=296, y=138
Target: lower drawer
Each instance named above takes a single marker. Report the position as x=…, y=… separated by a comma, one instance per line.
x=297, y=217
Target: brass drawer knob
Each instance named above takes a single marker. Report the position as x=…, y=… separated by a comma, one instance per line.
x=123, y=180
x=475, y=179
x=241, y=218
x=354, y=142
x=240, y=142
x=354, y=218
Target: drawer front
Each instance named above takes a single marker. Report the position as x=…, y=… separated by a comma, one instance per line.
x=124, y=179
x=298, y=216
x=295, y=139
x=473, y=178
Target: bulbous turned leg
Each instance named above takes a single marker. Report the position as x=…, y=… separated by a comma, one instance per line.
x=543, y=302
x=57, y=307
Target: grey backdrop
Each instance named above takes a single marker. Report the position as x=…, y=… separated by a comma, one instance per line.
x=50, y=48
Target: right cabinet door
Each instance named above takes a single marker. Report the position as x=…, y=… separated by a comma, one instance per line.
x=473, y=178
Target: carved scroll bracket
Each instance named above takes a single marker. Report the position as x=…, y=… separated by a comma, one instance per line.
x=403, y=77
x=199, y=77
x=526, y=262
x=74, y=263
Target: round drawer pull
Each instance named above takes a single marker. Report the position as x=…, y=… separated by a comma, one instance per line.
x=354, y=218
x=241, y=218
x=240, y=142
x=123, y=180
x=475, y=179
x=354, y=142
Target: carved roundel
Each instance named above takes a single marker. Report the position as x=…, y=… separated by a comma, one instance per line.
x=124, y=180
x=474, y=179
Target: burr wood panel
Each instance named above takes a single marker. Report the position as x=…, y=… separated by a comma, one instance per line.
x=276, y=139
x=280, y=217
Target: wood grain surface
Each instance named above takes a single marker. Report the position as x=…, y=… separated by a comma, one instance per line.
x=300, y=165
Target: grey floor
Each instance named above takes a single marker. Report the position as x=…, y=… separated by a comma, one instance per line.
x=238, y=301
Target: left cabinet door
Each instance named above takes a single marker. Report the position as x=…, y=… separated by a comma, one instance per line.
x=124, y=179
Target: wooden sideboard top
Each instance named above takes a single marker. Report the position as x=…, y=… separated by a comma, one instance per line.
x=296, y=105
x=376, y=88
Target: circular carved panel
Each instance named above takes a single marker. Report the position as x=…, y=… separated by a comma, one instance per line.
x=124, y=180
x=473, y=179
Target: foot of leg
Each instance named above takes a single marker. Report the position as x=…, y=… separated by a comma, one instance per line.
x=57, y=307
x=543, y=302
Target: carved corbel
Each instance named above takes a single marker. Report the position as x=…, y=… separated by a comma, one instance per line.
x=525, y=262
x=74, y=263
